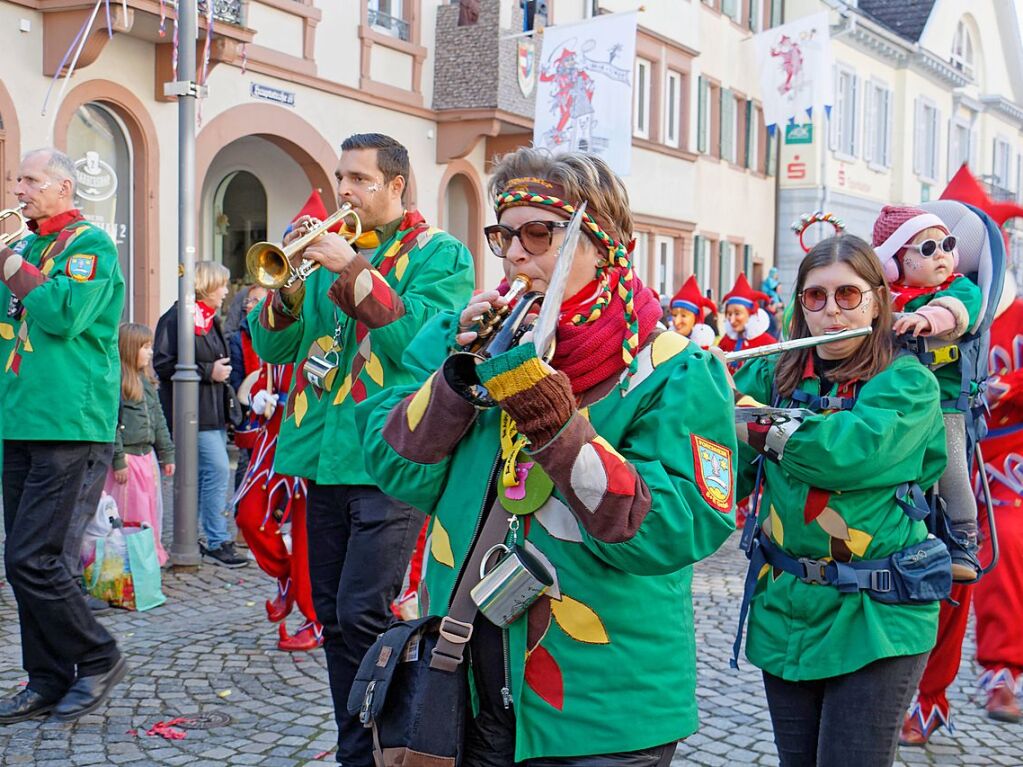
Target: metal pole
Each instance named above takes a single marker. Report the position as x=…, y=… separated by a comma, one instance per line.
x=184, y=549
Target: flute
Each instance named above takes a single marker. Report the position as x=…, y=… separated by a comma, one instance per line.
x=796, y=343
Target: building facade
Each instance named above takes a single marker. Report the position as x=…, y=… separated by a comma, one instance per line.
x=920, y=89
x=288, y=79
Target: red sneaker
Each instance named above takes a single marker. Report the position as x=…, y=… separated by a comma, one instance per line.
x=308, y=637
x=280, y=606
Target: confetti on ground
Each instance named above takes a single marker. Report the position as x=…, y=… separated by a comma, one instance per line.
x=133, y=732
x=223, y=693
x=324, y=754
x=250, y=604
x=167, y=730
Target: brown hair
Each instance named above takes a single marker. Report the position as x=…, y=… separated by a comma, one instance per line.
x=130, y=338
x=877, y=350
x=581, y=176
x=392, y=156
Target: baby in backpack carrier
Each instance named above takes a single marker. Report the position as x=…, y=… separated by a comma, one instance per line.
x=930, y=299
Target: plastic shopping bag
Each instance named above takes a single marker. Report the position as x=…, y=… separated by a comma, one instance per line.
x=144, y=567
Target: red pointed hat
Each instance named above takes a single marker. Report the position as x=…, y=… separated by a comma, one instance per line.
x=315, y=208
x=691, y=299
x=964, y=187
x=742, y=293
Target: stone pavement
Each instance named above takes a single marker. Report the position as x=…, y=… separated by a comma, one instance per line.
x=209, y=652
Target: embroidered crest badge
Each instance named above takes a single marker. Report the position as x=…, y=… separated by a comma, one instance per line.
x=81, y=268
x=713, y=464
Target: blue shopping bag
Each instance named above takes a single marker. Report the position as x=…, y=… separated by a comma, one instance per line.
x=144, y=565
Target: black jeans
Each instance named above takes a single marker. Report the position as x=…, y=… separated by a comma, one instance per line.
x=41, y=484
x=849, y=719
x=85, y=508
x=360, y=543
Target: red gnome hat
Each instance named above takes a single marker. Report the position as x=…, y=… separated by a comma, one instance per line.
x=692, y=300
x=741, y=293
x=315, y=208
x=964, y=187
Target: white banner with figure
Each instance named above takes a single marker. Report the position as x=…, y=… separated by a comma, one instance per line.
x=795, y=66
x=584, y=89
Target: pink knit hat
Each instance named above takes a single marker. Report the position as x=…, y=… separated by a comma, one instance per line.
x=895, y=227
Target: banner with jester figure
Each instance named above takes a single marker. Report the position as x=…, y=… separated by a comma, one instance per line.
x=795, y=66
x=584, y=89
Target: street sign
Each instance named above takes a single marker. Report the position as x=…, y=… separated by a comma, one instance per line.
x=276, y=95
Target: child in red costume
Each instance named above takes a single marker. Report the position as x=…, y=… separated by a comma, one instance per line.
x=265, y=502
x=689, y=307
x=747, y=321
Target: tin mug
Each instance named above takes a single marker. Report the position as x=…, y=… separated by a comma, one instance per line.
x=321, y=371
x=517, y=580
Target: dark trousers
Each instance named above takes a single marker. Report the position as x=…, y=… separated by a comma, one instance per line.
x=849, y=719
x=41, y=484
x=85, y=508
x=360, y=543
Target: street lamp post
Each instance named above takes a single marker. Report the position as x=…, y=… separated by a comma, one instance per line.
x=184, y=549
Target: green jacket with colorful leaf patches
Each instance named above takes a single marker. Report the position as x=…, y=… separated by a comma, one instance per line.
x=642, y=489
x=377, y=305
x=61, y=376
x=832, y=495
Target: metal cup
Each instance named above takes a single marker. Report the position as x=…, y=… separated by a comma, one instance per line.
x=517, y=580
x=321, y=371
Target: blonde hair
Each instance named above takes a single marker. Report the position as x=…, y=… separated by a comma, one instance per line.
x=130, y=338
x=581, y=177
x=209, y=277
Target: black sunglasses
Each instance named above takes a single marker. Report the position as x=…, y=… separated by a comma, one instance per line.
x=846, y=296
x=536, y=236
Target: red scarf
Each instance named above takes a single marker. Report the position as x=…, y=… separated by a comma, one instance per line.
x=204, y=314
x=591, y=353
x=904, y=294
x=54, y=223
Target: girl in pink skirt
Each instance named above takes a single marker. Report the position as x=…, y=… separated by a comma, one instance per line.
x=142, y=437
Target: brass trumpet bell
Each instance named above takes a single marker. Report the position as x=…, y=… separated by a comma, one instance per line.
x=270, y=264
x=7, y=238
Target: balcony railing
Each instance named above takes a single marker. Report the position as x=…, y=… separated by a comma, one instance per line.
x=393, y=25
x=231, y=11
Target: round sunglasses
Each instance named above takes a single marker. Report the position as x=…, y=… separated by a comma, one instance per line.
x=928, y=248
x=536, y=236
x=846, y=297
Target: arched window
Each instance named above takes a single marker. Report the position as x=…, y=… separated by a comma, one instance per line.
x=240, y=220
x=101, y=148
x=962, y=50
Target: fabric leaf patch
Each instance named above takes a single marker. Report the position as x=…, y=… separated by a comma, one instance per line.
x=543, y=676
x=440, y=544
x=579, y=621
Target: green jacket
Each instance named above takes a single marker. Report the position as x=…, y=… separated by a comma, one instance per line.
x=379, y=303
x=963, y=298
x=832, y=495
x=61, y=372
x=632, y=509
x=141, y=428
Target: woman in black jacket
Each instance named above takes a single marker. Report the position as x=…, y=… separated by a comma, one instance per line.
x=211, y=359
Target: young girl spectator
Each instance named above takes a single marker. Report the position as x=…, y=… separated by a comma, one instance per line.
x=142, y=437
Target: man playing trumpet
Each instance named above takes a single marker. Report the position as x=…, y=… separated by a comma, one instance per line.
x=346, y=327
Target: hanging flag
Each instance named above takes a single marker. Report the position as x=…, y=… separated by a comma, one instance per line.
x=795, y=67
x=584, y=89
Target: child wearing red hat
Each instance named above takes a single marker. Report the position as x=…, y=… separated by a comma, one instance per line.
x=689, y=307
x=930, y=299
x=747, y=321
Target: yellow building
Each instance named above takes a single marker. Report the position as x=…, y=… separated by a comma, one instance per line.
x=288, y=79
x=920, y=89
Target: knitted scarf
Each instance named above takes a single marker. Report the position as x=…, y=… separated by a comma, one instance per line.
x=904, y=294
x=591, y=353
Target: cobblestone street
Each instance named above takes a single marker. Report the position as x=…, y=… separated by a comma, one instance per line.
x=209, y=652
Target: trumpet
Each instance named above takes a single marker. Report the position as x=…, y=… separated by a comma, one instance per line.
x=7, y=238
x=270, y=264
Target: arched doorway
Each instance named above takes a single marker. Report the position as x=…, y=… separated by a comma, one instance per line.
x=460, y=202
x=458, y=199
x=10, y=146
x=99, y=143
x=239, y=220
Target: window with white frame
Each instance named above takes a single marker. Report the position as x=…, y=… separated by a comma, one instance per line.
x=959, y=140
x=752, y=136
x=927, y=132
x=664, y=265
x=701, y=262
x=729, y=126
x=732, y=9
x=641, y=99
x=388, y=16
x=639, y=255
x=703, y=115
x=962, y=50
x=1001, y=162
x=843, y=115
x=877, y=125
x=590, y=9
x=672, y=108
x=726, y=267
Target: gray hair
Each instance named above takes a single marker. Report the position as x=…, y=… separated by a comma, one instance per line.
x=59, y=166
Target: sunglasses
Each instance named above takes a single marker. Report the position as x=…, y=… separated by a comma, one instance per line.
x=535, y=236
x=928, y=248
x=846, y=297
